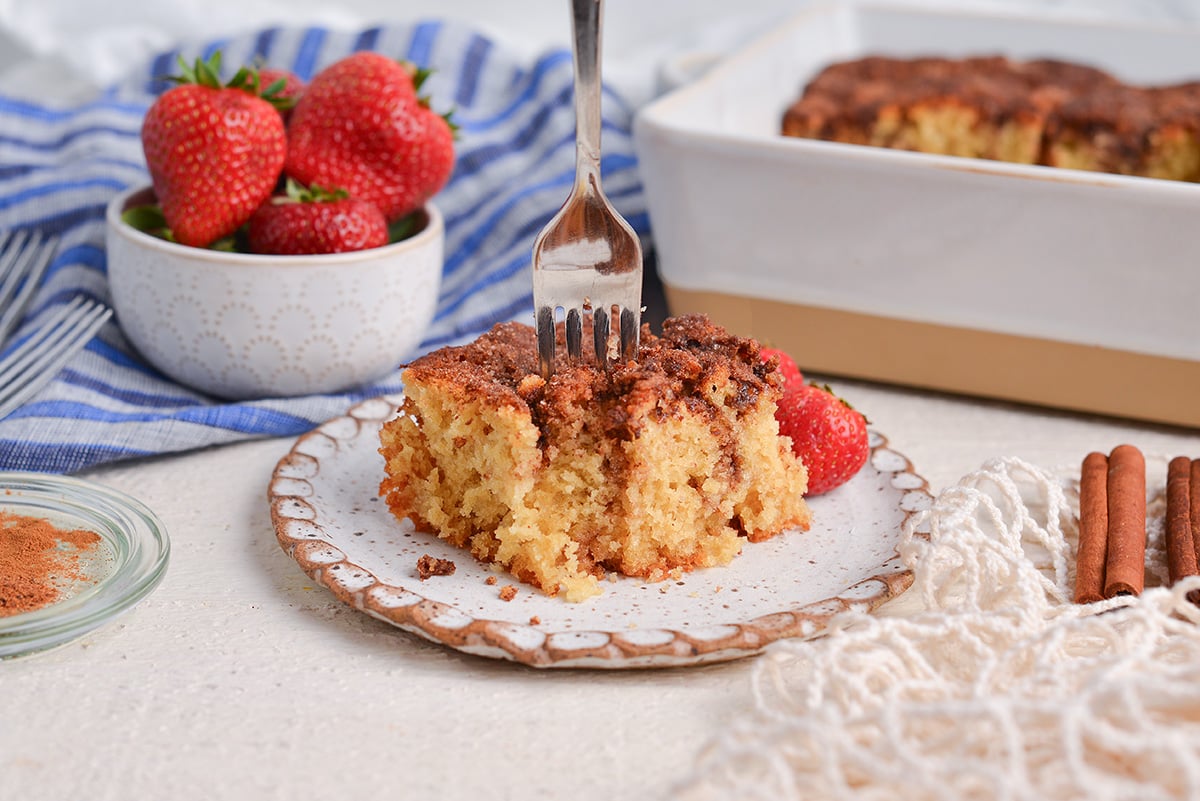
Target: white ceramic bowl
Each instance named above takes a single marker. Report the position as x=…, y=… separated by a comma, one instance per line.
x=243, y=326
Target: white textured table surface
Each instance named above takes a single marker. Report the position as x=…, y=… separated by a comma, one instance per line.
x=238, y=678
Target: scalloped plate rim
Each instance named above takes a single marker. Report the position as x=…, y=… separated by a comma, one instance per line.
x=530, y=644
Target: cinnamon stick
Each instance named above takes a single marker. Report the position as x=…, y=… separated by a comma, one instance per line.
x=1181, y=550
x=1093, y=529
x=1125, y=566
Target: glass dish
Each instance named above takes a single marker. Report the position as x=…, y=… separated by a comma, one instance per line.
x=127, y=564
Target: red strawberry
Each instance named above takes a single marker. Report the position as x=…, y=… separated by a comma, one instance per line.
x=281, y=87
x=316, y=220
x=214, y=152
x=792, y=377
x=360, y=125
x=827, y=433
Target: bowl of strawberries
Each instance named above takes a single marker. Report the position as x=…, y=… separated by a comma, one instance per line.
x=288, y=243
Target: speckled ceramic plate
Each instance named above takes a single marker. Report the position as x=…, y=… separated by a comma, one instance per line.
x=329, y=517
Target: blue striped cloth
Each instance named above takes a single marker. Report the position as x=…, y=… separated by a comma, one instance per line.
x=60, y=166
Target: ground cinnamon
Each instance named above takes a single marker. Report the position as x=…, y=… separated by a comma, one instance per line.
x=1093, y=529
x=1181, y=551
x=37, y=559
x=1125, y=565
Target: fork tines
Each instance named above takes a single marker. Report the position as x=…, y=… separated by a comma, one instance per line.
x=40, y=357
x=608, y=348
x=625, y=346
x=610, y=343
x=24, y=257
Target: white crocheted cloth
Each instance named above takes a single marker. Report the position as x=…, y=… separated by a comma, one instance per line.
x=998, y=687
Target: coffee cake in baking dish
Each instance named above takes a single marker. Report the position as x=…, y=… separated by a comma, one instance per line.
x=1044, y=111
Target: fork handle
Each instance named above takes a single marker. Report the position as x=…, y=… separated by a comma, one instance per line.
x=586, y=26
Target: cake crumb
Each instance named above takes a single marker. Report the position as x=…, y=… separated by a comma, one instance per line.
x=428, y=566
x=529, y=386
x=535, y=621
x=508, y=592
x=490, y=581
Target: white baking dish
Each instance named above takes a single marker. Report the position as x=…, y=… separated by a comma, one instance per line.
x=993, y=272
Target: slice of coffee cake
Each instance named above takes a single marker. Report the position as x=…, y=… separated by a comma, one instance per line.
x=657, y=467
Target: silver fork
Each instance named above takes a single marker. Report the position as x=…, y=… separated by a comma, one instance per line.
x=587, y=259
x=23, y=259
x=34, y=362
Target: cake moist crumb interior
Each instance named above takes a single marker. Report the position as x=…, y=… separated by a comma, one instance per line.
x=658, y=466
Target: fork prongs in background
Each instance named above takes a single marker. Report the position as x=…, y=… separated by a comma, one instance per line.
x=37, y=360
x=23, y=259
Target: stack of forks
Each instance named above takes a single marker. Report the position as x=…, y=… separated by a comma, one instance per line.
x=30, y=362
